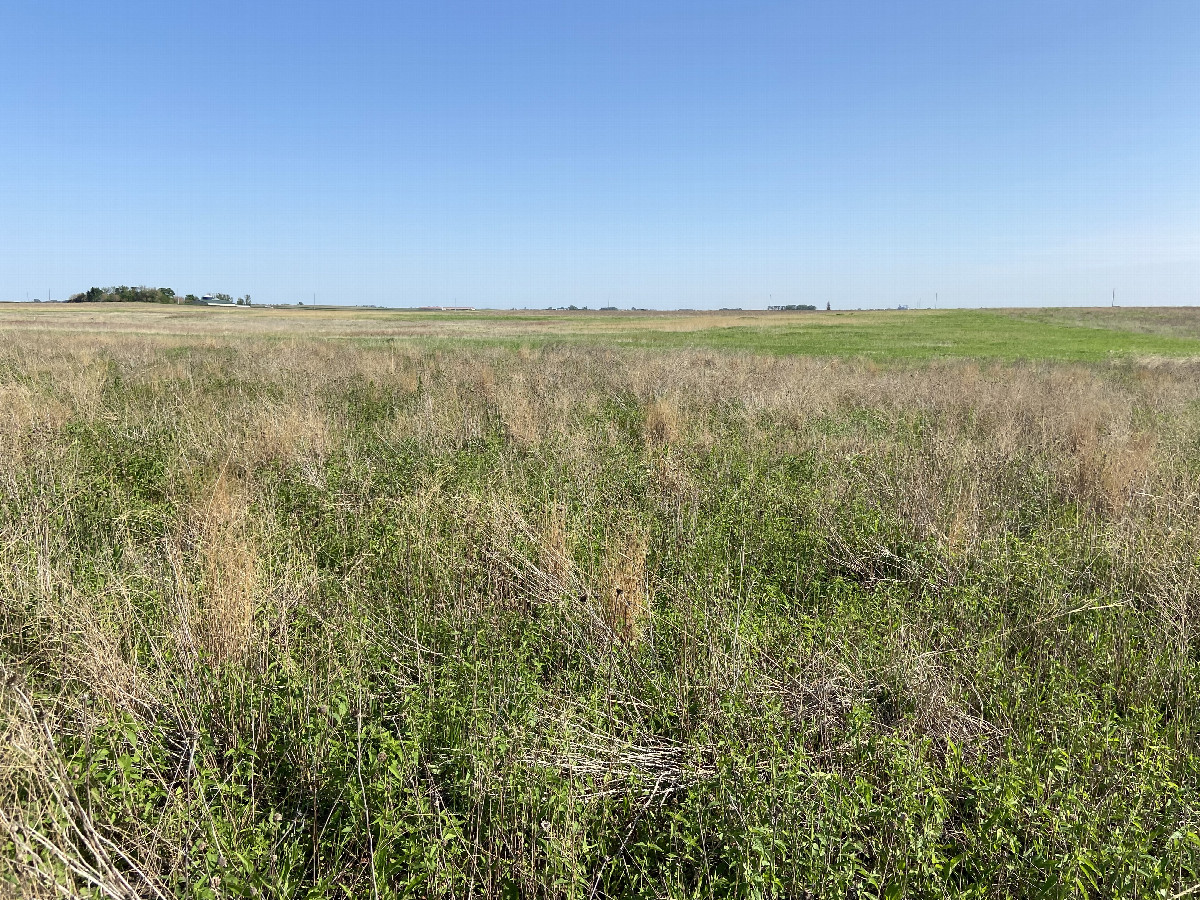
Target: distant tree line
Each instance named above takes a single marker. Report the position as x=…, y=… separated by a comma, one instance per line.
x=792, y=307
x=125, y=294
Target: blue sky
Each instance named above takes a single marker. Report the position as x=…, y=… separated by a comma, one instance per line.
x=656, y=154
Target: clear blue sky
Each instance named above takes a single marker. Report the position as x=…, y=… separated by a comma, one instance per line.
x=665, y=154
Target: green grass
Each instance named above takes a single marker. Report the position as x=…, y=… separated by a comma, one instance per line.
x=1080, y=335
x=912, y=335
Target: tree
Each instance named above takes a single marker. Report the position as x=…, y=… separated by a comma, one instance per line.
x=124, y=294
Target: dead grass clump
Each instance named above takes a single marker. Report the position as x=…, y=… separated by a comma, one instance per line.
x=103, y=666
x=446, y=416
x=820, y=692
x=485, y=382
x=406, y=381
x=522, y=421
x=493, y=533
x=1155, y=568
x=554, y=552
x=1128, y=468
x=663, y=422
x=26, y=413
x=926, y=681
x=287, y=432
x=648, y=772
x=83, y=384
x=527, y=564
x=1108, y=471
x=677, y=487
x=230, y=582
x=623, y=597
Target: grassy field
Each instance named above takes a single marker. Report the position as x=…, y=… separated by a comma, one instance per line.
x=1180, y=321
x=1066, y=334
x=317, y=604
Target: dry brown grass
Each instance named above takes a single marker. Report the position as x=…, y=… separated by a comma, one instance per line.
x=624, y=599
x=230, y=584
x=953, y=424
x=662, y=422
x=1088, y=424
x=26, y=412
x=129, y=319
x=554, y=552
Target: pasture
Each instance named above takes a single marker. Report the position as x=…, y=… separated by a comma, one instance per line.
x=357, y=603
x=1089, y=335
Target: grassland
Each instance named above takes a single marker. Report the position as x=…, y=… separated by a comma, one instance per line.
x=370, y=604
x=1090, y=335
x=1179, y=321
